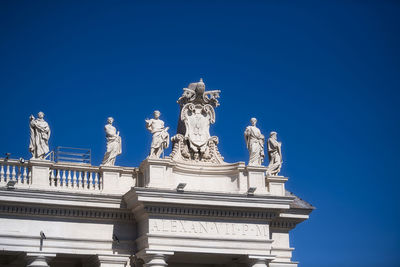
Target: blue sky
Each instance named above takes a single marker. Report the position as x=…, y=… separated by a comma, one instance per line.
x=323, y=74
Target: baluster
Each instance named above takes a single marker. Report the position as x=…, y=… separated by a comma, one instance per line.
x=23, y=174
x=96, y=180
x=7, y=174
x=100, y=181
x=84, y=178
x=51, y=176
x=58, y=177
x=62, y=177
x=29, y=179
x=67, y=178
x=13, y=173
x=19, y=174
x=2, y=178
x=90, y=179
x=67, y=175
x=78, y=178
x=73, y=178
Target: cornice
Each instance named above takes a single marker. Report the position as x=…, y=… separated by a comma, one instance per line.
x=37, y=210
x=283, y=224
x=29, y=195
x=171, y=197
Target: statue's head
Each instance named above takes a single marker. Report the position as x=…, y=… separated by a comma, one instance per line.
x=40, y=115
x=273, y=134
x=253, y=121
x=110, y=120
x=157, y=114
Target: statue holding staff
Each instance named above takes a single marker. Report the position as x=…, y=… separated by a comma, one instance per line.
x=160, y=133
x=39, y=137
x=274, y=155
x=114, y=143
x=255, y=143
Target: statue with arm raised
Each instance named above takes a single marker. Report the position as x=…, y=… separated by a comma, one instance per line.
x=160, y=140
x=39, y=137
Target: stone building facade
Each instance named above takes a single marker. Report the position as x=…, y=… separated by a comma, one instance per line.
x=187, y=209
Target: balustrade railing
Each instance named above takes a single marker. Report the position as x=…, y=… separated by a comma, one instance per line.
x=49, y=175
x=77, y=177
x=15, y=171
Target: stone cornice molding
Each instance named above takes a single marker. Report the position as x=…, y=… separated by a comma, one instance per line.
x=29, y=195
x=283, y=224
x=22, y=209
x=147, y=195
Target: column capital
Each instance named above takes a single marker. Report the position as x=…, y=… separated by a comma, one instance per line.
x=113, y=260
x=39, y=259
x=259, y=260
x=153, y=258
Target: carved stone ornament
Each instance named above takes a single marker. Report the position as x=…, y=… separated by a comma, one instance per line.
x=193, y=141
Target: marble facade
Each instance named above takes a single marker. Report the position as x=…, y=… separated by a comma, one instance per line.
x=187, y=209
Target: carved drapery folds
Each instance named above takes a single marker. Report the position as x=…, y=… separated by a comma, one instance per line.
x=193, y=141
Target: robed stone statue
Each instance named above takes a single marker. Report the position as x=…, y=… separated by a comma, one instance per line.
x=114, y=144
x=160, y=140
x=255, y=143
x=39, y=138
x=274, y=155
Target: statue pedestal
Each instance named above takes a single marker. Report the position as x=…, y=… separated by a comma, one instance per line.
x=256, y=178
x=276, y=185
x=233, y=178
x=40, y=173
x=116, y=179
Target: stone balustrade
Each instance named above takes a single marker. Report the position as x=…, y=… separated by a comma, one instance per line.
x=12, y=170
x=76, y=177
x=51, y=176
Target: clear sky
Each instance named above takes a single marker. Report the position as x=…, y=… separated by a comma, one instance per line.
x=324, y=74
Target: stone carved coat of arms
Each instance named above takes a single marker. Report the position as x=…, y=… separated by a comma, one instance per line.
x=193, y=141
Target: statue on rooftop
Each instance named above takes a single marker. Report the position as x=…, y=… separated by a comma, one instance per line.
x=114, y=143
x=193, y=141
x=274, y=155
x=39, y=138
x=160, y=133
x=255, y=143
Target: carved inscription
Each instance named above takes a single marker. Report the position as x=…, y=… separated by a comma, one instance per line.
x=208, y=228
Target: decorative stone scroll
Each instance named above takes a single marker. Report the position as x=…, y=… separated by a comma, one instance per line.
x=193, y=141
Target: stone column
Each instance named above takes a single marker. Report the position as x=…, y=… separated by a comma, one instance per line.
x=38, y=259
